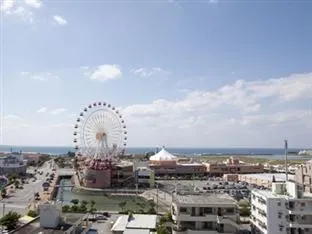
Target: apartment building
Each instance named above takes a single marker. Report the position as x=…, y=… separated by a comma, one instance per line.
x=303, y=176
x=204, y=214
x=285, y=209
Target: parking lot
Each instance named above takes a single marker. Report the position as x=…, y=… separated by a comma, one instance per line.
x=238, y=190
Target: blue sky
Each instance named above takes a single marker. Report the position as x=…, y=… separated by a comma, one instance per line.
x=183, y=73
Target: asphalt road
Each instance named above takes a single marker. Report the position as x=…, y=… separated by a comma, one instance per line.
x=19, y=200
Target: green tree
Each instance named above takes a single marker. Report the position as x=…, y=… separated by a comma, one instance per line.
x=92, y=208
x=75, y=201
x=10, y=220
x=74, y=208
x=66, y=208
x=161, y=229
x=122, y=205
x=32, y=213
x=3, y=192
x=83, y=203
x=151, y=210
x=16, y=183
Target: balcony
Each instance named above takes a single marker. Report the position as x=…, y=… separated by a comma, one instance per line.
x=299, y=225
x=189, y=217
x=186, y=230
x=227, y=220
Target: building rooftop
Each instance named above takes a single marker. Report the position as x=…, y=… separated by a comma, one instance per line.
x=138, y=221
x=213, y=198
x=269, y=176
x=34, y=227
x=163, y=155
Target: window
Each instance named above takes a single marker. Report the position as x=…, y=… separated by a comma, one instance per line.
x=230, y=210
x=208, y=210
x=279, y=203
x=183, y=209
x=280, y=215
x=281, y=227
x=302, y=204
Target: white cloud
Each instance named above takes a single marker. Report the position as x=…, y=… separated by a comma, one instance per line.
x=21, y=9
x=58, y=111
x=106, y=72
x=240, y=114
x=148, y=72
x=34, y=3
x=12, y=117
x=41, y=76
x=60, y=20
x=6, y=5
x=231, y=115
x=42, y=110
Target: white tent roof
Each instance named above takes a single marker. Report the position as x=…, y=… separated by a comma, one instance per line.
x=163, y=155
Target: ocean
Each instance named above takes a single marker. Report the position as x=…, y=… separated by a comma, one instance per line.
x=269, y=152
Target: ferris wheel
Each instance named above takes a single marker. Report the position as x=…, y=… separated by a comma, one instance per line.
x=100, y=132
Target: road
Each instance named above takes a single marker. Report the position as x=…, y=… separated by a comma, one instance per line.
x=19, y=200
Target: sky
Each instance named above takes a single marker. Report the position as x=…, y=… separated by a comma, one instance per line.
x=182, y=73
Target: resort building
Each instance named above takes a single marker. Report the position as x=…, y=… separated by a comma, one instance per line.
x=303, y=176
x=232, y=166
x=165, y=164
x=285, y=209
x=206, y=214
x=13, y=164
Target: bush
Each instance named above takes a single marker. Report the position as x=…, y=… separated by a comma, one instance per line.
x=66, y=208
x=32, y=213
x=10, y=220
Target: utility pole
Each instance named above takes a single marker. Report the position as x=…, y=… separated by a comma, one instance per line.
x=286, y=162
x=157, y=199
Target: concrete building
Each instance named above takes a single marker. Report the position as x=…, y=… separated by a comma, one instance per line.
x=232, y=166
x=145, y=177
x=50, y=215
x=303, y=176
x=206, y=214
x=165, y=164
x=135, y=224
x=285, y=209
x=13, y=163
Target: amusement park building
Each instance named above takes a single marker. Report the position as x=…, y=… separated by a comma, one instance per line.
x=232, y=166
x=164, y=163
x=118, y=174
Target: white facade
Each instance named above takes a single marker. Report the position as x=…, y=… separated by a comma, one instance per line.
x=204, y=214
x=283, y=210
x=50, y=215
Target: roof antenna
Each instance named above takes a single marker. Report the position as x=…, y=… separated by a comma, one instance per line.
x=286, y=163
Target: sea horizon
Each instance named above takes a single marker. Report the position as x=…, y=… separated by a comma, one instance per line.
x=58, y=150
